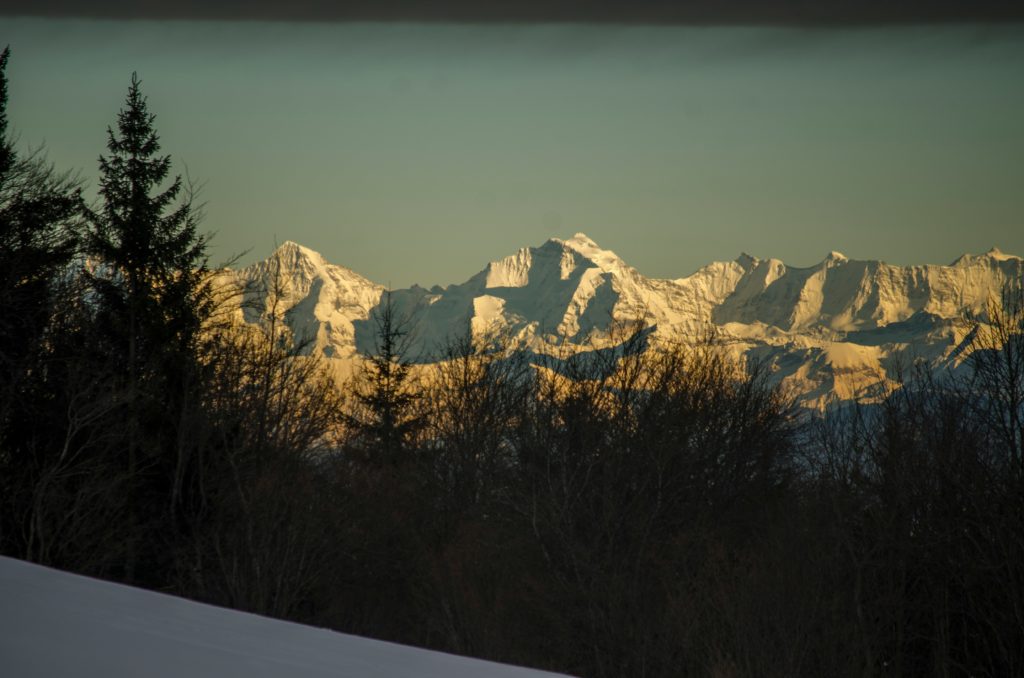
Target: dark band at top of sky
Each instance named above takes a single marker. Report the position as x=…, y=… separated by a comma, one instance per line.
x=828, y=13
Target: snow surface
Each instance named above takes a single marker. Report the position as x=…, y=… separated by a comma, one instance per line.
x=57, y=624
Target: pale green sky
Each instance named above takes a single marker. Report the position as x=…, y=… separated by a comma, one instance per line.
x=418, y=153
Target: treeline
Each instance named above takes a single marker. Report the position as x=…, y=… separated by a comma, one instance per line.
x=644, y=510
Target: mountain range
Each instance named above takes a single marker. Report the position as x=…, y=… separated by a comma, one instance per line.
x=840, y=329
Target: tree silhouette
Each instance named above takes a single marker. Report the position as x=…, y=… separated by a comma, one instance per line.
x=39, y=211
x=153, y=281
x=385, y=422
x=152, y=294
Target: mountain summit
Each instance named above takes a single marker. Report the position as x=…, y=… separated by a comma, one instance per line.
x=839, y=328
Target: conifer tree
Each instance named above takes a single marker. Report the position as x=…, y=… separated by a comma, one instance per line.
x=386, y=421
x=153, y=284
x=153, y=296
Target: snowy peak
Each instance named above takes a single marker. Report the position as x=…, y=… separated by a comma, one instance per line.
x=992, y=256
x=581, y=240
x=295, y=263
x=555, y=259
x=304, y=265
x=319, y=301
x=292, y=248
x=583, y=245
x=293, y=254
x=999, y=255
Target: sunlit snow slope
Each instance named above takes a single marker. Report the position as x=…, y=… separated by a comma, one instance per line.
x=57, y=624
x=840, y=329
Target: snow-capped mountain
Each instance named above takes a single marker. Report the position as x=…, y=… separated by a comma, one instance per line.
x=319, y=302
x=839, y=329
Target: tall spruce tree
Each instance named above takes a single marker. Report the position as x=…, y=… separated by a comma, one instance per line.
x=153, y=276
x=153, y=296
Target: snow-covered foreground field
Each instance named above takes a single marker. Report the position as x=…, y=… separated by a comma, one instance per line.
x=57, y=624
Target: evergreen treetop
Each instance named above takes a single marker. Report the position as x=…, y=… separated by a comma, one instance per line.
x=147, y=237
x=6, y=148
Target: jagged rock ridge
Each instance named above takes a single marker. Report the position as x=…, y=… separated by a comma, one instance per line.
x=838, y=329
